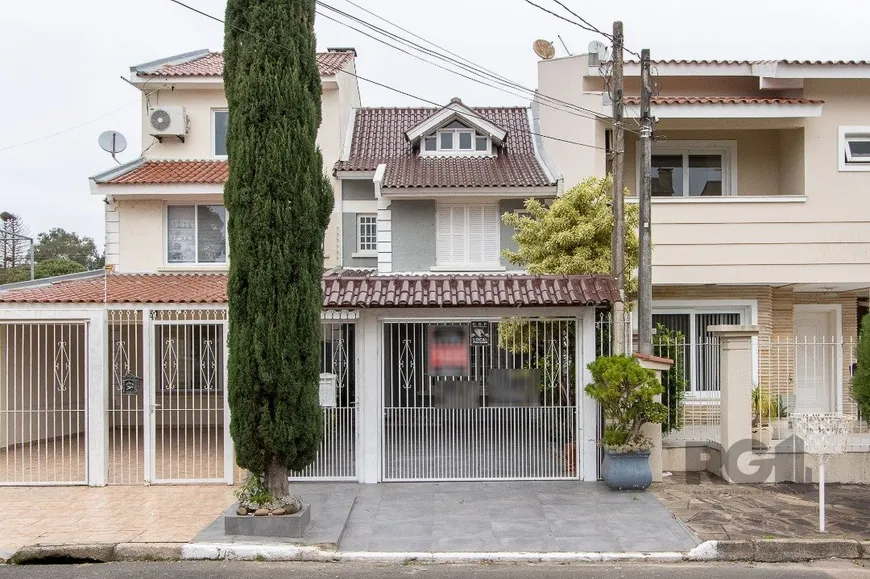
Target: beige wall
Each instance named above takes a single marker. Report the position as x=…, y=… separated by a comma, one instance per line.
x=817, y=239
x=135, y=229
x=759, y=158
x=561, y=79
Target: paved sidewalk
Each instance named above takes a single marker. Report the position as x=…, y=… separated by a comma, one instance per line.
x=510, y=516
x=716, y=510
x=128, y=514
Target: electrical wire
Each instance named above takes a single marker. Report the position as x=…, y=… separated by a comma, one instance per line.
x=543, y=99
x=383, y=85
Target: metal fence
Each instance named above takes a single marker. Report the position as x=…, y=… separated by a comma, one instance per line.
x=480, y=400
x=43, y=401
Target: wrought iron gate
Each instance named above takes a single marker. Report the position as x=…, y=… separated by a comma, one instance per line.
x=43, y=401
x=480, y=400
x=336, y=459
x=188, y=400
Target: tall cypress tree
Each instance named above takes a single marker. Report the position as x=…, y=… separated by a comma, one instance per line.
x=279, y=202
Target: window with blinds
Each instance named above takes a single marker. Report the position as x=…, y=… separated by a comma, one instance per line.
x=698, y=350
x=467, y=235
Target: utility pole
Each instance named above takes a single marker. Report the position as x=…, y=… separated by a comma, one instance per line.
x=617, y=245
x=644, y=274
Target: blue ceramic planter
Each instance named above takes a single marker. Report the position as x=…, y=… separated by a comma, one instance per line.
x=627, y=471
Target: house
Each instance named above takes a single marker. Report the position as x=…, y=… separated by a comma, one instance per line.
x=760, y=171
x=439, y=360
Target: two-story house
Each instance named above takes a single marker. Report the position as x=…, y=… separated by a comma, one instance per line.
x=759, y=210
x=439, y=360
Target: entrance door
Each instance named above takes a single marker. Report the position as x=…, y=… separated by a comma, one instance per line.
x=815, y=376
x=187, y=403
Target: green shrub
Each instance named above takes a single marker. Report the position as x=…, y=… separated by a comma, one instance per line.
x=672, y=344
x=626, y=393
x=861, y=379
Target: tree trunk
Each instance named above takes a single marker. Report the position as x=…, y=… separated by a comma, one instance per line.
x=276, y=481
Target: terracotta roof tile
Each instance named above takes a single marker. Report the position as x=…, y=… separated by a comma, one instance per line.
x=212, y=64
x=369, y=290
x=750, y=62
x=160, y=172
x=128, y=288
x=722, y=100
x=379, y=137
x=348, y=290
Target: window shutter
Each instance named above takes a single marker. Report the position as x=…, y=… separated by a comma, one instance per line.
x=443, y=234
x=458, y=234
x=491, y=234
x=476, y=234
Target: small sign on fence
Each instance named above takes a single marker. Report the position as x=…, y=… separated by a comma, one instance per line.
x=480, y=333
x=448, y=351
x=130, y=384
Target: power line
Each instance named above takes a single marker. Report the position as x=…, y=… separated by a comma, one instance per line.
x=543, y=99
x=380, y=84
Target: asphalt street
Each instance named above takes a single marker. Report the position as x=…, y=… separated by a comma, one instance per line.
x=264, y=570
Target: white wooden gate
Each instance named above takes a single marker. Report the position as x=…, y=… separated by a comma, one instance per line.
x=43, y=403
x=480, y=399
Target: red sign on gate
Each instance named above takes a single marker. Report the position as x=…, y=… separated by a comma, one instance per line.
x=448, y=351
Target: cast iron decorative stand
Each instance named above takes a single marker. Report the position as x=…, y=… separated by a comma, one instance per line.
x=823, y=435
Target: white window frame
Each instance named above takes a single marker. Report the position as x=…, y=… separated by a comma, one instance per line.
x=440, y=152
x=360, y=251
x=213, y=114
x=188, y=264
x=466, y=264
x=748, y=310
x=851, y=133
x=728, y=150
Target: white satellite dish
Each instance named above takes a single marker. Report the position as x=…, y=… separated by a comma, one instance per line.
x=112, y=142
x=597, y=52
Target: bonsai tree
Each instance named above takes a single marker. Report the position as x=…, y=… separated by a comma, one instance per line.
x=278, y=201
x=626, y=393
x=861, y=378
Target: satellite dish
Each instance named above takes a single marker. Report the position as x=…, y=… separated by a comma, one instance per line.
x=112, y=142
x=544, y=49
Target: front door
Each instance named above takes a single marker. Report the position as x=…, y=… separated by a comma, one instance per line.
x=815, y=359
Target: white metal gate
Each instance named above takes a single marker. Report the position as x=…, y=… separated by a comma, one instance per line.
x=43, y=402
x=336, y=459
x=480, y=400
x=166, y=416
x=188, y=410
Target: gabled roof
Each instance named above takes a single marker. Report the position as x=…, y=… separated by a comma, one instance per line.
x=203, y=63
x=341, y=290
x=379, y=136
x=165, y=172
x=447, y=114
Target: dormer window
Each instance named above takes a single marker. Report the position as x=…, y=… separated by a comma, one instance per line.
x=456, y=138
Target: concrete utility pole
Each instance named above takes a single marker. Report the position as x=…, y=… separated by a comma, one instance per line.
x=644, y=274
x=617, y=246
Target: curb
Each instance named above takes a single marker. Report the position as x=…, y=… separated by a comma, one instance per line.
x=95, y=552
x=768, y=551
x=780, y=550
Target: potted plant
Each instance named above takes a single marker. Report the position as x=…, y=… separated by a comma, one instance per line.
x=627, y=395
x=764, y=408
x=780, y=423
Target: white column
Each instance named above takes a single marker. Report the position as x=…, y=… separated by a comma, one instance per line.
x=147, y=395
x=654, y=431
x=385, y=237
x=97, y=399
x=735, y=383
x=368, y=398
x=587, y=407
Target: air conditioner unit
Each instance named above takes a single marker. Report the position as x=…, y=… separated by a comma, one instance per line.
x=168, y=122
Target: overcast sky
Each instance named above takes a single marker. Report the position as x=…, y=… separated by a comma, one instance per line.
x=60, y=63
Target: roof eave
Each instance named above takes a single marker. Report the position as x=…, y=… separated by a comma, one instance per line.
x=731, y=111
x=449, y=112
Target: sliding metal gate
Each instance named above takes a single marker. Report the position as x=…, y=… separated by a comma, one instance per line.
x=480, y=400
x=43, y=401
